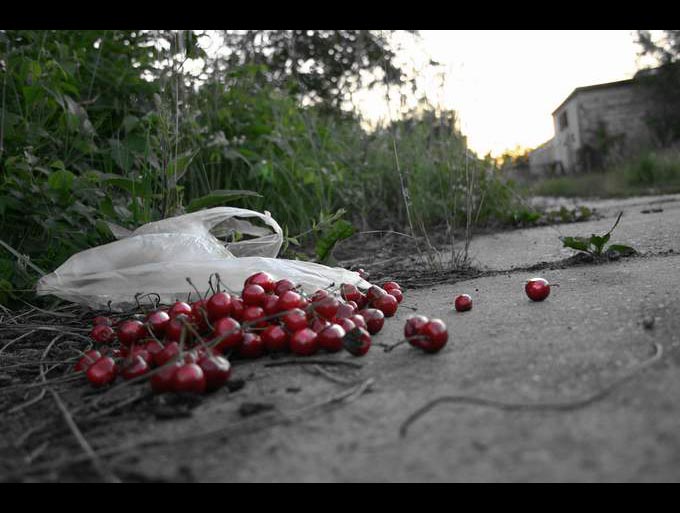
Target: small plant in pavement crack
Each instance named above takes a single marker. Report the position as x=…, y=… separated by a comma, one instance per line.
x=595, y=244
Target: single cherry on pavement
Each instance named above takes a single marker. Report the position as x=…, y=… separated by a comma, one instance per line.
x=537, y=289
x=463, y=303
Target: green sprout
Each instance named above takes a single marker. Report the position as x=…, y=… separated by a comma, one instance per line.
x=595, y=244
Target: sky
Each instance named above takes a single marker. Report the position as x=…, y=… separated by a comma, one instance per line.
x=505, y=84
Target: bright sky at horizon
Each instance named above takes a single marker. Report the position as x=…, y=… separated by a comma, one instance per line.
x=505, y=84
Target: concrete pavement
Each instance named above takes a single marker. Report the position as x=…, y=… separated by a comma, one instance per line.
x=592, y=330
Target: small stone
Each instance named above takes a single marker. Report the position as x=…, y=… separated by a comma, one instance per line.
x=648, y=323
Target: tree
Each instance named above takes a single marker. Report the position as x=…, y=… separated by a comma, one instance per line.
x=322, y=66
x=662, y=83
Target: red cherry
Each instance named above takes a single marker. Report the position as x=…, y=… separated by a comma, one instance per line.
x=362, y=301
x=100, y=319
x=347, y=324
x=331, y=338
x=216, y=370
x=413, y=326
x=102, y=334
x=344, y=310
x=254, y=314
x=275, y=338
x=199, y=314
x=537, y=289
x=387, y=304
x=326, y=307
x=271, y=304
x=319, y=295
x=218, y=306
x=374, y=293
x=289, y=300
x=375, y=319
x=179, y=308
x=318, y=325
x=358, y=320
x=283, y=286
x=173, y=331
x=138, y=366
x=264, y=280
x=166, y=354
x=129, y=332
x=391, y=285
x=86, y=361
x=191, y=356
x=304, y=342
x=153, y=347
x=397, y=294
x=295, y=320
x=140, y=350
x=349, y=292
x=102, y=372
x=158, y=321
x=463, y=303
x=252, y=346
x=189, y=378
x=237, y=308
x=436, y=336
x=162, y=380
x=357, y=341
x=116, y=353
x=253, y=295
x=230, y=329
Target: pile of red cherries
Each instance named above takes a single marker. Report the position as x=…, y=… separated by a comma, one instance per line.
x=187, y=347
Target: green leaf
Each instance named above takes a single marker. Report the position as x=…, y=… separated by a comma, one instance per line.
x=622, y=249
x=127, y=184
x=178, y=166
x=338, y=231
x=129, y=123
x=598, y=242
x=61, y=180
x=120, y=154
x=577, y=243
x=31, y=94
x=219, y=197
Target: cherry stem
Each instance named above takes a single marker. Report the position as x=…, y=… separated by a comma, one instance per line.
x=220, y=282
x=210, y=283
x=388, y=348
x=200, y=297
x=195, y=332
x=153, y=335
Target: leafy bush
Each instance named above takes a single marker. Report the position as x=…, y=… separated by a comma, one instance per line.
x=103, y=127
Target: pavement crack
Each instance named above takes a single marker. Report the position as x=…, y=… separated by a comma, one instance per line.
x=556, y=406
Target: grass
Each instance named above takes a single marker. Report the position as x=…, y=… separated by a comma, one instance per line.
x=650, y=173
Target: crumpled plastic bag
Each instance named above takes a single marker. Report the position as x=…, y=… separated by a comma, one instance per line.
x=158, y=257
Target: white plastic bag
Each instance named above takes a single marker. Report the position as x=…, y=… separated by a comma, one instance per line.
x=158, y=257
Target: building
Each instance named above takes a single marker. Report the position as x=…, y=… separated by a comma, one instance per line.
x=594, y=126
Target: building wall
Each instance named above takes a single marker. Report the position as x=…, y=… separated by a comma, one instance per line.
x=620, y=111
x=541, y=160
x=567, y=138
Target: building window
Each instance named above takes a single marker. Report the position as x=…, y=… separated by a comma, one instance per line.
x=562, y=121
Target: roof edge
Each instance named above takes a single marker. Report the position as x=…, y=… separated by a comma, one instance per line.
x=619, y=83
